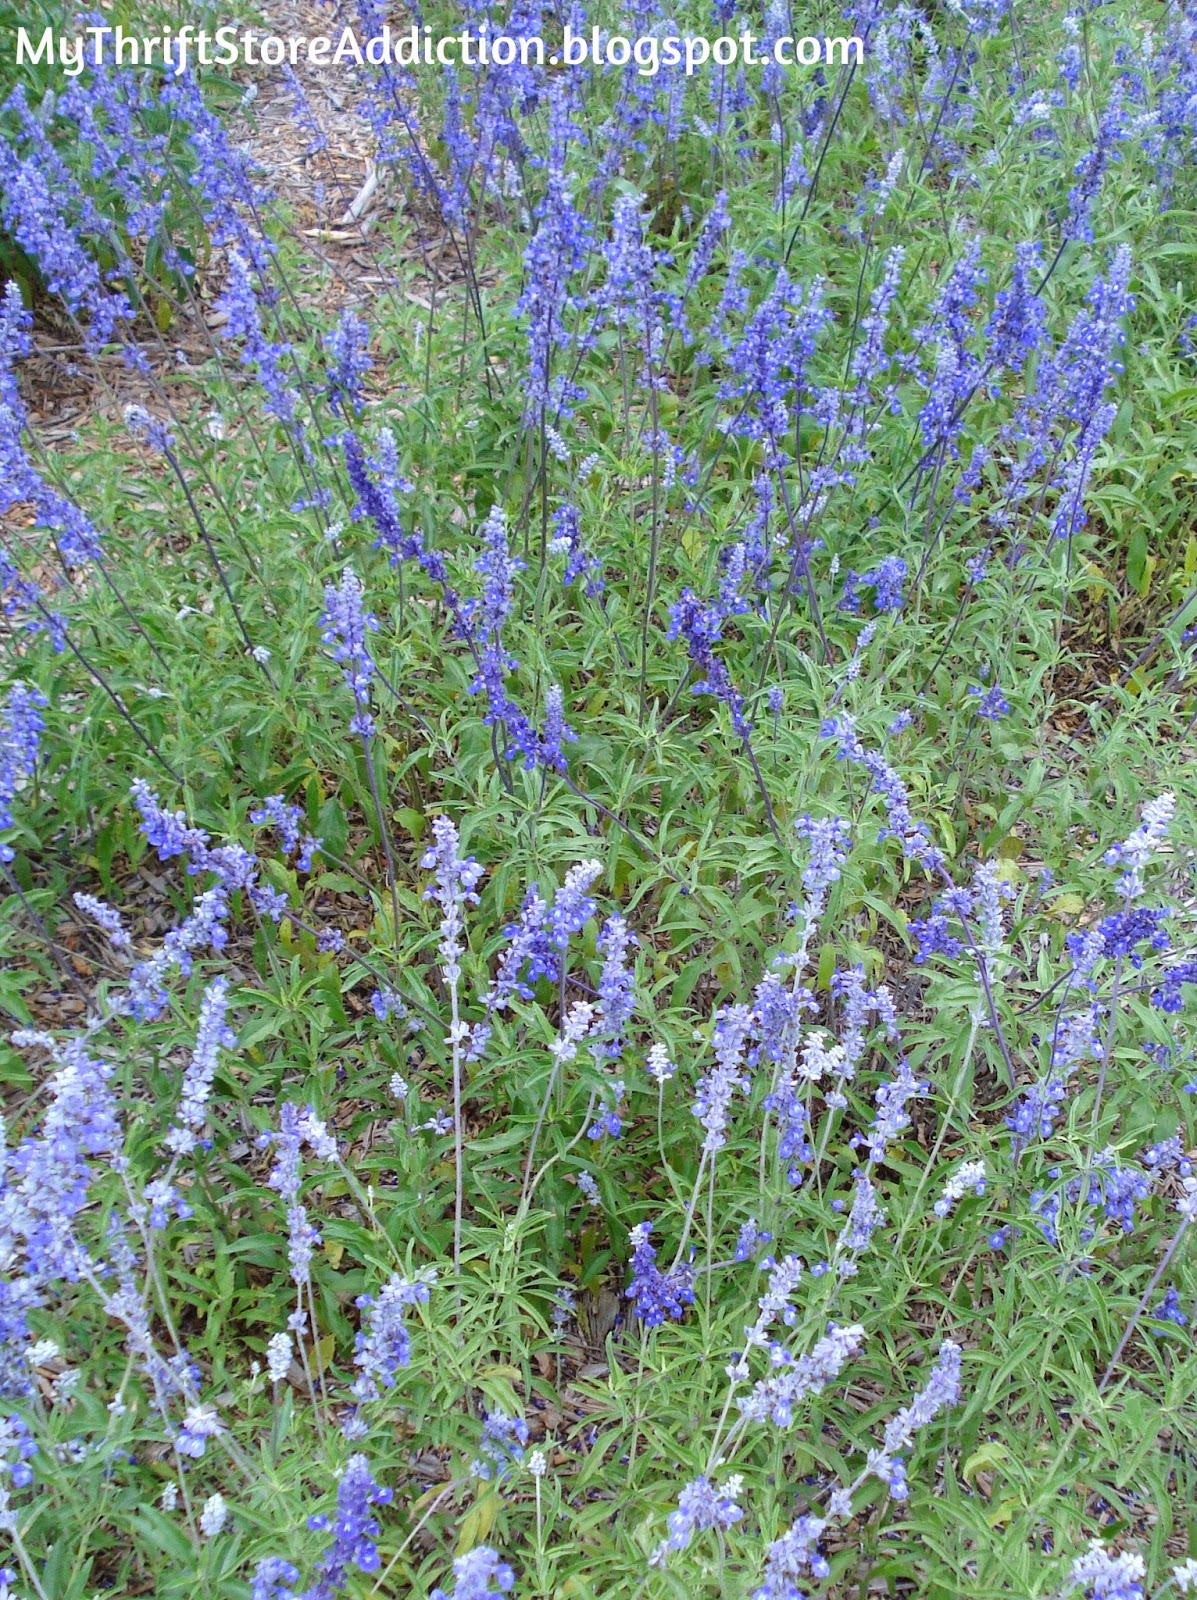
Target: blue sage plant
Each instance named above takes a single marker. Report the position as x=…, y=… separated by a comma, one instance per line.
x=597, y=811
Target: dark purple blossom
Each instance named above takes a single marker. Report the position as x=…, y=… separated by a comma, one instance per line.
x=1126, y=931
x=1091, y=169
x=288, y=822
x=700, y=624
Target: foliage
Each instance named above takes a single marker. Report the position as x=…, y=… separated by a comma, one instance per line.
x=598, y=923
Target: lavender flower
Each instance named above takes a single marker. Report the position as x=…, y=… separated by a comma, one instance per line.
x=791, y=1557
x=347, y=347
x=574, y=1029
x=1168, y=1155
x=1169, y=1310
x=775, y=1398
x=1069, y=392
x=378, y=502
x=485, y=618
x=240, y=307
x=627, y=299
x=712, y=1102
x=36, y=191
x=287, y=820
x=700, y=1506
x=941, y=1391
x=932, y=937
x=527, y=944
x=1016, y=328
x=107, y=917
x=49, y=1173
x=989, y=893
x=503, y=1441
x=992, y=704
x=199, y=1425
x=213, y=1032
x=1108, y=1577
x=278, y=1357
x=345, y=628
x=274, y=1579
x=383, y=1344
x=285, y=1178
x=969, y=1175
x=1091, y=169
x=914, y=836
x=828, y=840
x=769, y=366
x=573, y=906
x=658, y=1065
x=870, y=365
x=887, y=580
x=616, y=1000
x=1185, y=1576
x=701, y=625
x=1135, y=852
x=866, y=1216
x=714, y=225
x=784, y=1278
x=656, y=1294
x=213, y=1517
x=385, y=1003
x=567, y=540
x=892, y=1117
x=453, y=888
x=204, y=926
x=20, y=731
x=479, y=1575
x=556, y=731
x=557, y=252
x=957, y=371
x=609, y=1123
x=354, y=1530
x=749, y=1240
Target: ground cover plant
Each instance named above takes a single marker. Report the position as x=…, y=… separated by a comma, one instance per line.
x=598, y=942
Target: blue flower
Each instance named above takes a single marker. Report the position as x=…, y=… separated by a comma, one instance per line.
x=21, y=727
x=274, y=1579
x=345, y=628
x=503, y=1441
x=383, y=1345
x=992, y=704
x=1169, y=1310
x=354, y=1530
x=700, y=1506
x=478, y=1575
x=349, y=361
x=656, y=1294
